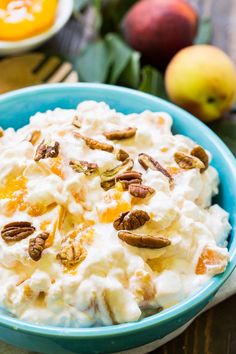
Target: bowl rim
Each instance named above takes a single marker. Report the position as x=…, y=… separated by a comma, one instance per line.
x=64, y=11
x=172, y=313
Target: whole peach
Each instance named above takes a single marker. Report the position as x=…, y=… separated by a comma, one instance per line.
x=202, y=80
x=160, y=28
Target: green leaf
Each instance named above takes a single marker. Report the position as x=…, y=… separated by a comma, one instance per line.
x=120, y=53
x=113, y=12
x=98, y=10
x=94, y=63
x=205, y=32
x=152, y=82
x=131, y=74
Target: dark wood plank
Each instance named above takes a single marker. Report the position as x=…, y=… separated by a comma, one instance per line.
x=211, y=333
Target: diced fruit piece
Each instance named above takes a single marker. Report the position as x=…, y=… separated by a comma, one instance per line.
x=115, y=206
x=56, y=166
x=110, y=214
x=211, y=261
x=14, y=189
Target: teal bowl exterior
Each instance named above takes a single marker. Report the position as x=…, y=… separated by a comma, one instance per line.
x=15, y=110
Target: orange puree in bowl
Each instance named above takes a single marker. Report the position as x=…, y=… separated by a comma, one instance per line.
x=20, y=19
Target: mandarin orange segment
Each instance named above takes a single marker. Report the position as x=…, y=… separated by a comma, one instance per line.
x=13, y=184
x=14, y=189
x=39, y=209
x=111, y=213
x=56, y=167
x=161, y=120
x=44, y=225
x=208, y=258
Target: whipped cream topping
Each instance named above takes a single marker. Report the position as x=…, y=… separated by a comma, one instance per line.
x=86, y=275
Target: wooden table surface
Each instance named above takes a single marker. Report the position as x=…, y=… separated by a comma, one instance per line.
x=214, y=332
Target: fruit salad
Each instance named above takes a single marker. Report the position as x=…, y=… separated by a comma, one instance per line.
x=105, y=218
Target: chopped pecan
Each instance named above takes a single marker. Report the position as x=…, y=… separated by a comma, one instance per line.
x=106, y=185
x=108, y=178
x=37, y=245
x=201, y=154
x=88, y=168
x=147, y=161
x=131, y=220
x=120, y=134
x=125, y=183
x=17, y=231
x=36, y=134
x=95, y=144
x=46, y=150
x=121, y=155
x=129, y=177
x=140, y=191
x=1, y=132
x=76, y=121
x=188, y=162
x=143, y=241
x=72, y=253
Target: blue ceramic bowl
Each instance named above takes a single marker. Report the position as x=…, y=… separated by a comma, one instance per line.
x=15, y=110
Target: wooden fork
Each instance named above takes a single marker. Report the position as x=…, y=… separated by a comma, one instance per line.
x=33, y=69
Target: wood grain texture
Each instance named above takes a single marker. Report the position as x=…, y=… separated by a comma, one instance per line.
x=214, y=332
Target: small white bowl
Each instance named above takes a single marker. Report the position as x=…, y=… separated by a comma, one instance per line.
x=64, y=10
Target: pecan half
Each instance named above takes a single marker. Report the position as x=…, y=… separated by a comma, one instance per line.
x=188, y=162
x=36, y=134
x=95, y=144
x=88, y=168
x=143, y=241
x=120, y=134
x=146, y=161
x=121, y=155
x=201, y=154
x=17, y=231
x=76, y=121
x=131, y=220
x=129, y=177
x=72, y=253
x=140, y=191
x=46, y=150
x=108, y=178
x=37, y=245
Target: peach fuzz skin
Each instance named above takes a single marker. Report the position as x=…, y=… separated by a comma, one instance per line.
x=202, y=80
x=160, y=28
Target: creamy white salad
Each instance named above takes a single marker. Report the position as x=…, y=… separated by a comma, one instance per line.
x=105, y=217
